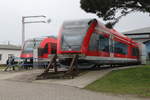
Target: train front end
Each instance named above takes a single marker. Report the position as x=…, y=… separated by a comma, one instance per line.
x=73, y=40
x=27, y=50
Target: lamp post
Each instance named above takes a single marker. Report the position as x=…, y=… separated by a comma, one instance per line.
x=30, y=22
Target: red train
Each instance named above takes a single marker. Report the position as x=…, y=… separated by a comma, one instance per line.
x=46, y=46
x=95, y=44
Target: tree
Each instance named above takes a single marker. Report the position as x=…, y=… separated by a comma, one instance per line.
x=113, y=10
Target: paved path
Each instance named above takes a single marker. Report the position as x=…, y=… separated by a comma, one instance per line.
x=29, y=76
x=10, y=90
x=83, y=80
x=80, y=81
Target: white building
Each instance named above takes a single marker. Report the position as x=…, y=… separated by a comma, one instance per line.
x=8, y=50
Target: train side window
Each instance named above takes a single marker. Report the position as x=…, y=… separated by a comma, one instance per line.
x=45, y=50
x=103, y=43
x=121, y=48
x=93, y=45
x=135, y=51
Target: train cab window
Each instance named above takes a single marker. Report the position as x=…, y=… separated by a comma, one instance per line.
x=103, y=43
x=120, y=48
x=93, y=45
x=135, y=51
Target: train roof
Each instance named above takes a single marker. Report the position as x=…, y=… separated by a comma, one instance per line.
x=41, y=38
x=50, y=37
x=114, y=32
x=86, y=22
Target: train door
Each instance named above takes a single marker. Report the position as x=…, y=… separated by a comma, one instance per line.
x=43, y=52
x=53, y=48
x=104, y=45
x=93, y=45
x=111, y=46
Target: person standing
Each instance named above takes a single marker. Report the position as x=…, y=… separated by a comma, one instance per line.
x=13, y=63
x=10, y=63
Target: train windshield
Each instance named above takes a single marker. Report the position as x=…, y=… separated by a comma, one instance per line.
x=30, y=45
x=73, y=34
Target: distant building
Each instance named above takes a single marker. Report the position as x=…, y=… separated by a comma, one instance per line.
x=141, y=35
x=8, y=50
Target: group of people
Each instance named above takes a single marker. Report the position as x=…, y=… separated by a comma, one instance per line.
x=25, y=64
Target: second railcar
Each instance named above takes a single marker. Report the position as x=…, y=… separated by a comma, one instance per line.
x=46, y=46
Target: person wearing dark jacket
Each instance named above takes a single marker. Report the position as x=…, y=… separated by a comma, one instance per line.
x=10, y=63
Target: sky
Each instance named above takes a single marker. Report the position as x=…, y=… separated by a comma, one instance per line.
x=11, y=12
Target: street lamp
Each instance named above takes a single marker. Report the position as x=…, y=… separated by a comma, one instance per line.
x=30, y=22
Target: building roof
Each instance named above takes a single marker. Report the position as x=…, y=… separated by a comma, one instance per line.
x=10, y=47
x=138, y=31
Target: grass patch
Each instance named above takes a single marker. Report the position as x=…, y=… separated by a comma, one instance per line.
x=2, y=67
x=134, y=81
